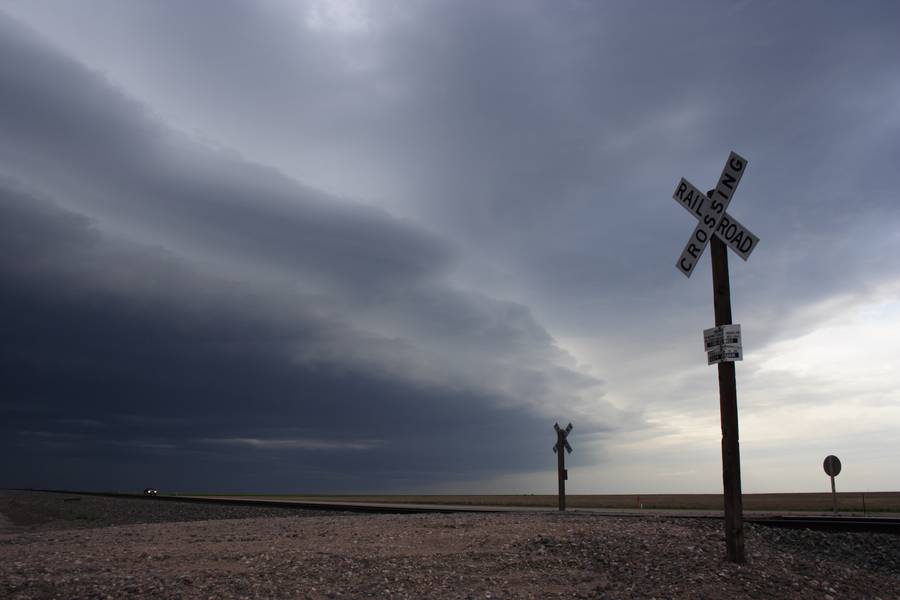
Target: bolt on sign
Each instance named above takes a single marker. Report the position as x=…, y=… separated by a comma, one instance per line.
x=562, y=442
x=719, y=230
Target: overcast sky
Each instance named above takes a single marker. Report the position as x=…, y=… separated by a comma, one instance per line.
x=383, y=246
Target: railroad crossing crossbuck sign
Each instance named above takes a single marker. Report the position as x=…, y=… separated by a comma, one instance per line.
x=564, y=434
x=562, y=473
x=710, y=211
x=723, y=342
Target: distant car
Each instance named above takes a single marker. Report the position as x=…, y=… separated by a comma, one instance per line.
x=151, y=492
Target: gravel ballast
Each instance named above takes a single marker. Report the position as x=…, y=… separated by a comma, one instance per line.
x=175, y=550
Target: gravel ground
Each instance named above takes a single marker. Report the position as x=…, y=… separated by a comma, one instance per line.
x=331, y=555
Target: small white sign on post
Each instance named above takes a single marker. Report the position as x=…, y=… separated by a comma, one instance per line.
x=723, y=344
x=724, y=335
x=723, y=354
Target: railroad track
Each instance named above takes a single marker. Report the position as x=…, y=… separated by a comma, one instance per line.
x=887, y=525
x=836, y=524
x=360, y=507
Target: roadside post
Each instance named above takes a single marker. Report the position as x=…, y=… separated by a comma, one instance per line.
x=562, y=443
x=718, y=228
x=832, y=466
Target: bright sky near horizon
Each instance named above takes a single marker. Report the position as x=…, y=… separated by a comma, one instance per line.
x=350, y=246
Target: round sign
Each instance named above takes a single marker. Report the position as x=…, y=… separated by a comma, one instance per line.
x=832, y=465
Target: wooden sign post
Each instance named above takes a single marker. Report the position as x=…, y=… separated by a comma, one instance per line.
x=718, y=228
x=731, y=451
x=832, y=466
x=562, y=443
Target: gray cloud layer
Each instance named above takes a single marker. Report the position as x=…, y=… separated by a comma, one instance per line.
x=416, y=153
x=126, y=363
x=318, y=321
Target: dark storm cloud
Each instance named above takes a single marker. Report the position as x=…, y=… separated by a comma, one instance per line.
x=323, y=341
x=145, y=380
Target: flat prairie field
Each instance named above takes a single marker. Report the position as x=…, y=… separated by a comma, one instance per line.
x=846, y=501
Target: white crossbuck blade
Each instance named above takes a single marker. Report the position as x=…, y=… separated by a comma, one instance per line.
x=714, y=220
x=739, y=238
x=567, y=447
